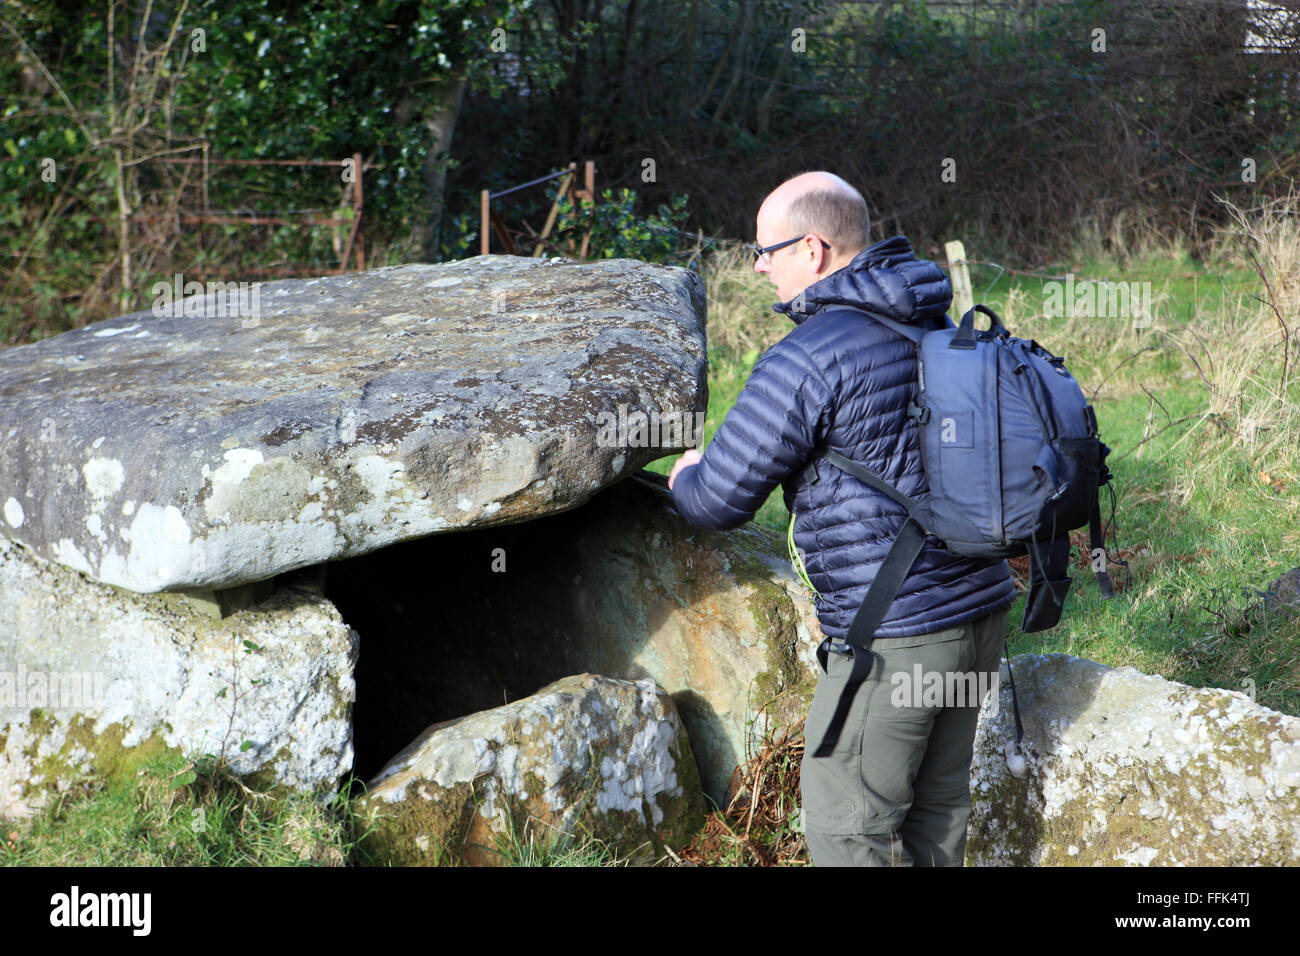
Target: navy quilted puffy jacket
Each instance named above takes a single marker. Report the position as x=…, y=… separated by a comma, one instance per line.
x=843, y=382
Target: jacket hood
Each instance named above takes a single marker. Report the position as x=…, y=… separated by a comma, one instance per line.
x=886, y=278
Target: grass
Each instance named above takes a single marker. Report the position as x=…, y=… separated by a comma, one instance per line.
x=177, y=811
x=532, y=845
x=171, y=811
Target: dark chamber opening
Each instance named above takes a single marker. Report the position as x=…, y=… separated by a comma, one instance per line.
x=443, y=635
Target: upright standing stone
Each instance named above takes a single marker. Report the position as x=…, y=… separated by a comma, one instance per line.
x=93, y=678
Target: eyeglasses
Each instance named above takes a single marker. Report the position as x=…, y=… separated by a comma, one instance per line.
x=765, y=252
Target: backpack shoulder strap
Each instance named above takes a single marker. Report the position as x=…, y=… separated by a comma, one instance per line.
x=875, y=604
x=879, y=597
x=860, y=473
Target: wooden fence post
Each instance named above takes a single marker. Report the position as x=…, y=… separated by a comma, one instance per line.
x=589, y=191
x=555, y=207
x=962, y=296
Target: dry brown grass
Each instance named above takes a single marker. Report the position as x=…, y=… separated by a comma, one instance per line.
x=741, y=320
x=759, y=825
x=1254, y=387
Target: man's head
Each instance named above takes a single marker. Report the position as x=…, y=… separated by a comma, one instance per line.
x=821, y=210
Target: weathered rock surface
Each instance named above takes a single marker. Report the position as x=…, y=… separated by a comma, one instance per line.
x=622, y=586
x=203, y=451
x=1129, y=769
x=90, y=673
x=1283, y=590
x=718, y=619
x=585, y=754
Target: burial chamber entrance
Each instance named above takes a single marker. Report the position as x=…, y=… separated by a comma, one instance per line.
x=465, y=621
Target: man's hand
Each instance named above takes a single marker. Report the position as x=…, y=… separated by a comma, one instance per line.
x=691, y=457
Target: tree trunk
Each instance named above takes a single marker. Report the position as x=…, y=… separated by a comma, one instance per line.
x=689, y=55
x=440, y=118
x=738, y=68
x=763, y=116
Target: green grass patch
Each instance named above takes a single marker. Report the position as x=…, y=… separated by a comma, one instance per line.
x=177, y=812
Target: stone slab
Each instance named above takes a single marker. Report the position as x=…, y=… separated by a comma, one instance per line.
x=330, y=417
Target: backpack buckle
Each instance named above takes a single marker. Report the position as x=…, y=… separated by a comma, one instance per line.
x=915, y=411
x=1090, y=419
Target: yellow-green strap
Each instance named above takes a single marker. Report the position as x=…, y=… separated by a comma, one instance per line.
x=796, y=562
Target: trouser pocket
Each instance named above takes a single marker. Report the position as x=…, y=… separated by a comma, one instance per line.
x=832, y=790
x=831, y=686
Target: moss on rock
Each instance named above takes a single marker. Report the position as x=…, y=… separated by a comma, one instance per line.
x=84, y=754
x=418, y=830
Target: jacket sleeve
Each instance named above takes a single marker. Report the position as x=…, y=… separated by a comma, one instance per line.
x=769, y=434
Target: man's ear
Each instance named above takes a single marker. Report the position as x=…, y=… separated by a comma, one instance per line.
x=828, y=256
x=820, y=254
x=815, y=247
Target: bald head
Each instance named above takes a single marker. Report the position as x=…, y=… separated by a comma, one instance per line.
x=822, y=203
x=827, y=214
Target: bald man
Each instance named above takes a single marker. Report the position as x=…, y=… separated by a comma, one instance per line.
x=895, y=790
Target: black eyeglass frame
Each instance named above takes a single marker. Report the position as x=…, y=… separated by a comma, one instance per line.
x=760, y=251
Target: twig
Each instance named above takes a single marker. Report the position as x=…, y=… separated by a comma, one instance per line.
x=1286, y=333
x=1208, y=383
x=1168, y=417
x=753, y=801
x=1209, y=358
x=72, y=110
x=1159, y=433
x=1146, y=348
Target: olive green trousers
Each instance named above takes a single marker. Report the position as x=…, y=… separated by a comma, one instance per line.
x=896, y=789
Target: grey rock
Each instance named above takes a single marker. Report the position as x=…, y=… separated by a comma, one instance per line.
x=89, y=672
x=202, y=451
x=585, y=753
x=1130, y=769
x=1284, y=590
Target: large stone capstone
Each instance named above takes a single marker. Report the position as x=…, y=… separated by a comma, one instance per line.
x=331, y=417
